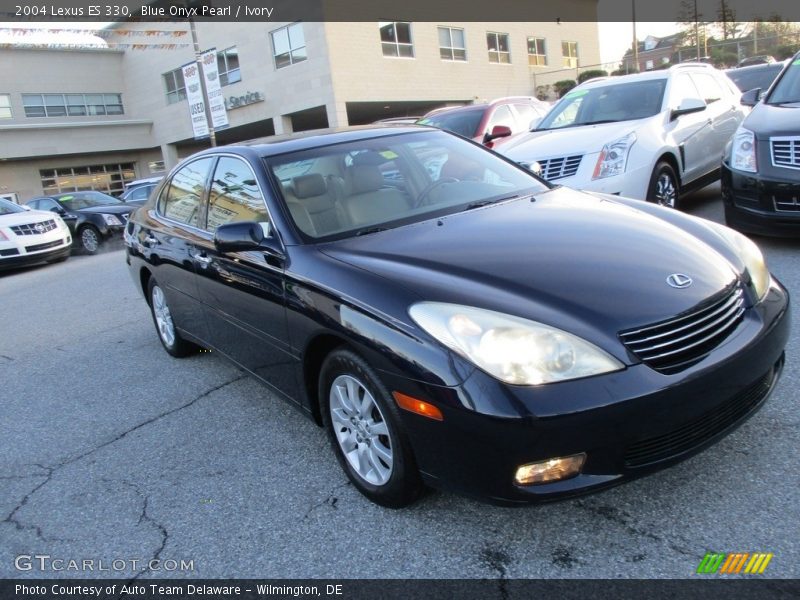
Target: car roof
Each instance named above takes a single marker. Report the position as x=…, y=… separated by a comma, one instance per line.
x=647, y=75
x=294, y=142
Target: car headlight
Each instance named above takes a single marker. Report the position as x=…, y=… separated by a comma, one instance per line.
x=512, y=349
x=613, y=158
x=111, y=220
x=751, y=256
x=743, y=151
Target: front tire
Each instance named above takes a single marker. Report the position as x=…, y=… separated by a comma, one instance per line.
x=168, y=334
x=90, y=239
x=664, y=188
x=365, y=430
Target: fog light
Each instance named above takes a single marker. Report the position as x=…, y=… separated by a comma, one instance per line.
x=547, y=471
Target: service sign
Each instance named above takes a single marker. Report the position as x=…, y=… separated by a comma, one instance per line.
x=216, y=102
x=194, y=94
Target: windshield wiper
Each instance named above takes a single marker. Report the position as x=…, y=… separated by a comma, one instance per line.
x=368, y=230
x=488, y=201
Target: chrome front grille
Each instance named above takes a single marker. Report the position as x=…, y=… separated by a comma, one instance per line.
x=34, y=228
x=556, y=168
x=785, y=152
x=786, y=203
x=676, y=344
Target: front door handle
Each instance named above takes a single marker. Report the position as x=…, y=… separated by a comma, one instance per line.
x=150, y=240
x=203, y=259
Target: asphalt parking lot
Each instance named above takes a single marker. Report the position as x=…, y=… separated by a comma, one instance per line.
x=110, y=450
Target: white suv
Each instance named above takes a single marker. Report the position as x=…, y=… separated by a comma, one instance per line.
x=652, y=136
x=31, y=236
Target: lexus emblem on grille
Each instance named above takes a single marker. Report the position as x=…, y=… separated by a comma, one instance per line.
x=679, y=280
x=39, y=227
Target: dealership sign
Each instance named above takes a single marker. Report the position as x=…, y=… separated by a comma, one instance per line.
x=197, y=106
x=216, y=102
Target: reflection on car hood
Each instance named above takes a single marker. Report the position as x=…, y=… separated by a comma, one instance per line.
x=23, y=218
x=109, y=209
x=568, y=253
x=566, y=141
x=767, y=120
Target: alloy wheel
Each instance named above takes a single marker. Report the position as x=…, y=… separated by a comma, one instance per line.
x=361, y=430
x=166, y=328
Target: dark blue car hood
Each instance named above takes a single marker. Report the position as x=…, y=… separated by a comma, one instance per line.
x=567, y=259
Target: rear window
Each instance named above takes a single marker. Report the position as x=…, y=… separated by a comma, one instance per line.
x=755, y=77
x=462, y=122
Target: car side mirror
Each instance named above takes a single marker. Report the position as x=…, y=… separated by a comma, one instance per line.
x=687, y=106
x=534, y=124
x=26, y=207
x=248, y=235
x=751, y=97
x=498, y=131
x=58, y=210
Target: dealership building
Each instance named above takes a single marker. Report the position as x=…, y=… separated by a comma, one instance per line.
x=95, y=118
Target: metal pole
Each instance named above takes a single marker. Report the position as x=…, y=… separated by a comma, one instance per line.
x=212, y=136
x=635, y=41
x=696, y=31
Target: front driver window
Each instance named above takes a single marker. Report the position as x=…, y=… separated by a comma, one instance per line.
x=181, y=199
x=235, y=195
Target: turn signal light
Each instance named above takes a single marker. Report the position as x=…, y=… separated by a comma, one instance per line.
x=551, y=470
x=418, y=406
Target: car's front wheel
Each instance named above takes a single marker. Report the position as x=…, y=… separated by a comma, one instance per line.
x=664, y=187
x=366, y=431
x=90, y=239
x=165, y=323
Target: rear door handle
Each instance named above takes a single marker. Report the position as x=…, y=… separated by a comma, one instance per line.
x=202, y=258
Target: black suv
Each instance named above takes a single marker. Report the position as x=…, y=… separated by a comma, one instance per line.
x=761, y=164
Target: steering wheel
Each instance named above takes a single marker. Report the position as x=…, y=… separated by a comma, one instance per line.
x=422, y=198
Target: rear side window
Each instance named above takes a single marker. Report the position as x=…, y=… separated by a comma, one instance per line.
x=181, y=200
x=235, y=195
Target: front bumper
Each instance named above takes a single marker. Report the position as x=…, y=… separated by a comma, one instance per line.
x=61, y=249
x=762, y=204
x=629, y=423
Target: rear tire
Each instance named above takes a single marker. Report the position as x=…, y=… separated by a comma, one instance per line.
x=168, y=334
x=366, y=432
x=664, y=187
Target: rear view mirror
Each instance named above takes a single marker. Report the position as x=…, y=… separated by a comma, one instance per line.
x=498, y=131
x=751, y=97
x=235, y=237
x=687, y=106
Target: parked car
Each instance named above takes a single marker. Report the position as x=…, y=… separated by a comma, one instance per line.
x=488, y=123
x=30, y=236
x=398, y=120
x=137, y=191
x=761, y=59
x=494, y=335
x=92, y=217
x=654, y=135
x=761, y=164
x=755, y=76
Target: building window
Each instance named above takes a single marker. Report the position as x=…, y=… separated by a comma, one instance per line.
x=156, y=166
x=396, y=39
x=648, y=65
x=5, y=106
x=71, y=105
x=537, y=56
x=175, y=86
x=110, y=179
x=497, y=44
x=228, y=66
x=451, y=44
x=569, y=50
x=289, y=45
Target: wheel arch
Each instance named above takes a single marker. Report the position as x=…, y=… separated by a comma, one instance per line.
x=670, y=158
x=144, y=280
x=315, y=353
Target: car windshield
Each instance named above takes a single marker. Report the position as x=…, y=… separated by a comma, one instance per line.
x=9, y=208
x=462, y=122
x=365, y=186
x=750, y=78
x=79, y=200
x=607, y=104
x=787, y=89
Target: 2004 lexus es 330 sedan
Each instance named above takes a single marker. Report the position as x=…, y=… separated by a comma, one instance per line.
x=452, y=320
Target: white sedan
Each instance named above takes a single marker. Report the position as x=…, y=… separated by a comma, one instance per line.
x=651, y=136
x=31, y=236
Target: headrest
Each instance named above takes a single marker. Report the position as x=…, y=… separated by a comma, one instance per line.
x=308, y=186
x=365, y=178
